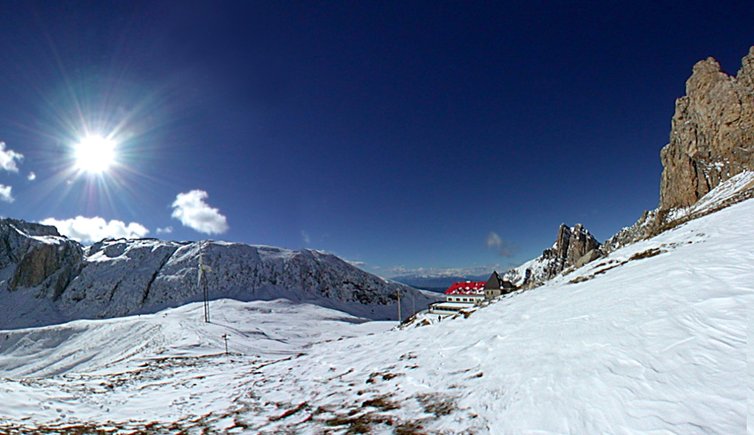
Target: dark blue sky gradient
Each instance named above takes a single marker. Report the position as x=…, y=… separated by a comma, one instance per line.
x=394, y=133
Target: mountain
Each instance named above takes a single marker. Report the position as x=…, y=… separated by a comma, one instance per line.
x=712, y=134
x=650, y=338
x=573, y=247
x=46, y=278
x=711, y=141
x=436, y=283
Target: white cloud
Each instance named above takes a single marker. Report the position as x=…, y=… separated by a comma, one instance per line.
x=193, y=212
x=9, y=159
x=93, y=229
x=305, y=237
x=32, y=176
x=166, y=230
x=6, y=194
x=494, y=241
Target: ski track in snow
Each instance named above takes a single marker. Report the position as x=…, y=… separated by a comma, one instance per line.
x=657, y=344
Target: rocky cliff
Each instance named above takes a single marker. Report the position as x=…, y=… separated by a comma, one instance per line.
x=711, y=143
x=712, y=133
x=46, y=278
x=573, y=247
x=34, y=255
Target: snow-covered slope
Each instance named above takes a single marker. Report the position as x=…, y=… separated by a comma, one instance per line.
x=651, y=339
x=120, y=277
x=153, y=367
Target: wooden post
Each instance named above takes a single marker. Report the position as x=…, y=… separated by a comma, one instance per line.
x=225, y=337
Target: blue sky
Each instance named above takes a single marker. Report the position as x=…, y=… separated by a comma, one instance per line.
x=403, y=135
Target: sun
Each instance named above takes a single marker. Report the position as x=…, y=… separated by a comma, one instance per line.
x=94, y=154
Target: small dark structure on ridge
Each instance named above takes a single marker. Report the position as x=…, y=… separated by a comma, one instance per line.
x=496, y=286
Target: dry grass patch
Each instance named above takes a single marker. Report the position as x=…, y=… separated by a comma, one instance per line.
x=437, y=404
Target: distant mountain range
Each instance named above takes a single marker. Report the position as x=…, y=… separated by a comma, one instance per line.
x=438, y=283
x=46, y=278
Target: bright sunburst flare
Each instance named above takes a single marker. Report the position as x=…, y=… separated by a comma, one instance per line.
x=94, y=154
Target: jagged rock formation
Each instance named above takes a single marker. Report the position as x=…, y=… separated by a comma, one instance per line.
x=573, y=247
x=46, y=278
x=711, y=142
x=712, y=134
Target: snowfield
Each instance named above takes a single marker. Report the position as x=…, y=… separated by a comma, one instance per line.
x=651, y=339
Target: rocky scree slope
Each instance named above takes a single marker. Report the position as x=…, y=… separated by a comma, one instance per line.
x=46, y=278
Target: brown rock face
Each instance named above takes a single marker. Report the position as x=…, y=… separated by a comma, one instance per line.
x=573, y=248
x=34, y=255
x=712, y=135
x=42, y=261
x=571, y=245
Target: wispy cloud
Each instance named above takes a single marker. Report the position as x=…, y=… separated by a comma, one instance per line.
x=493, y=240
x=193, y=211
x=6, y=194
x=305, y=237
x=94, y=229
x=9, y=159
x=505, y=249
x=166, y=230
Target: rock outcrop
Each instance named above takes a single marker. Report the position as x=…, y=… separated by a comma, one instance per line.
x=573, y=247
x=35, y=255
x=712, y=134
x=711, y=142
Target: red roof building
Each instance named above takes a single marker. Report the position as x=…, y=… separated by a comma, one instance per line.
x=467, y=294
x=468, y=291
x=466, y=288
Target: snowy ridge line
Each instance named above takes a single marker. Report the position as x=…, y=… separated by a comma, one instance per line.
x=114, y=278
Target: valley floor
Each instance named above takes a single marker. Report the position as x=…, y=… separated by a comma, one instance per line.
x=651, y=339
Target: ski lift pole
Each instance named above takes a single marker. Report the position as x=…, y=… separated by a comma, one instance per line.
x=203, y=268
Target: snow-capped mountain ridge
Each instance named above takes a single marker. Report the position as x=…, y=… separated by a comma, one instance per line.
x=47, y=278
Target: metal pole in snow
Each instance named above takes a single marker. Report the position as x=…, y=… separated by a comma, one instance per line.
x=225, y=337
x=398, y=293
x=206, y=302
x=203, y=284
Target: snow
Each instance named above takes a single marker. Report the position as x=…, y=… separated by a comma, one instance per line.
x=651, y=339
x=158, y=361
x=537, y=266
